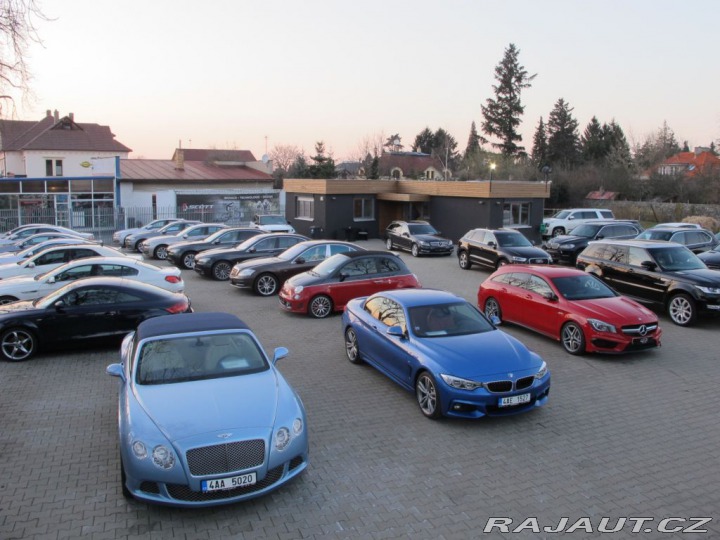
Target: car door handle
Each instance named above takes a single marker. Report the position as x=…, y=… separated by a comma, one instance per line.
x=378, y=281
x=111, y=313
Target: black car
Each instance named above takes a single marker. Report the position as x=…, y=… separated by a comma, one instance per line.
x=133, y=241
x=493, y=248
x=565, y=248
x=89, y=309
x=217, y=263
x=267, y=274
x=183, y=254
x=711, y=258
x=696, y=240
x=417, y=237
x=661, y=274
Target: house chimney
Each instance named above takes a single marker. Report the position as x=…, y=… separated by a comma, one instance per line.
x=56, y=115
x=49, y=113
x=72, y=117
x=180, y=159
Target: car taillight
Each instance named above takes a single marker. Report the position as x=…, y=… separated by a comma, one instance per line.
x=180, y=307
x=173, y=279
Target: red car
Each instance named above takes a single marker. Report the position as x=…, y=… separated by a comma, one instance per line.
x=338, y=279
x=571, y=306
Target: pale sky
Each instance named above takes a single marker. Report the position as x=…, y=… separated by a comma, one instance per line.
x=228, y=74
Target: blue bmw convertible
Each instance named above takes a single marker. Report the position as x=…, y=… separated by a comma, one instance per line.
x=204, y=416
x=444, y=349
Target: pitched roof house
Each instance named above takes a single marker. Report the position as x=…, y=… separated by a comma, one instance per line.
x=411, y=165
x=688, y=164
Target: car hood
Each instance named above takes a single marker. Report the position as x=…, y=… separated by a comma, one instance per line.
x=568, y=239
x=615, y=310
x=217, y=252
x=15, y=307
x=485, y=357
x=187, y=409
x=526, y=251
x=305, y=279
x=262, y=261
x=703, y=276
x=429, y=238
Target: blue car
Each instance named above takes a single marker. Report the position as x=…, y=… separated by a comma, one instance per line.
x=205, y=418
x=441, y=347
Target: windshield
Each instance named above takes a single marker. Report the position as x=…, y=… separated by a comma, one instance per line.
x=328, y=266
x=293, y=251
x=583, y=287
x=586, y=231
x=444, y=320
x=421, y=228
x=511, y=239
x=200, y=356
x=651, y=234
x=272, y=220
x=214, y=236
x=678, y=258
x=562, y=214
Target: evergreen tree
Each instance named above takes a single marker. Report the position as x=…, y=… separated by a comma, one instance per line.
x=502, y=114
x=563, y=138
x=445, y=148
x=323, y=166
x=299, y=168
x=593, y=144
x=540, y=147
x=686, y=147
x=618, y=154
x=424, y=141
x=393, y=143
x=374, y=173
x=475, y=142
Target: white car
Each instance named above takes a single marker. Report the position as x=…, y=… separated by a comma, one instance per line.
x=565, y=221
x=272, y=223
x=157, y=246
x=36, y=229
x=119, y=236
x=31, y=287
x=28, y=252
x=53, y=257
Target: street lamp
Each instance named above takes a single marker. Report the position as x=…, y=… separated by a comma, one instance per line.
x=492, y=168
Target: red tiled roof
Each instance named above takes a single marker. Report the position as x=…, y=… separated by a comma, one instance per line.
x=65, y=134
x=163, y=169
x=695, y=163
x=211, y=154
x=602, y=195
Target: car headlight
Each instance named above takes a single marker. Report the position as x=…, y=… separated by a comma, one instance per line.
x=247, y=272
x=602, y=326
x=298, y=290
x=568, y=246
x=163, y=457
x=519, y=259
x=282, y=438
x=138, y=448
x=709, y=290
x=423, y=243
x=460, y=384
x=542, y=371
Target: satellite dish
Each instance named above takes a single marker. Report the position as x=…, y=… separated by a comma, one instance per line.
x=265, y=158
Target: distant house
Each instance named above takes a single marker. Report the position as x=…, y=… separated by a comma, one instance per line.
x=602, y=195
x=689, y=164
x=411, y=166
x=350, y=169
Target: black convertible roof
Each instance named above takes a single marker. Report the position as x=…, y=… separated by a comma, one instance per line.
x=189, y=322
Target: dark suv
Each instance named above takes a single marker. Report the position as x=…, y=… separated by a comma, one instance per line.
x=417, y=237
x=661, y=274
x=565, y=248
x=493, y=248
x=696, y=240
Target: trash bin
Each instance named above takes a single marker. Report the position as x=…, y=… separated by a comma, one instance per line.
x=315, y=232
x=362, y=234
x=350, y=234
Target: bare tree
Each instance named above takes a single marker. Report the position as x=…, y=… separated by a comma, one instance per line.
x=284, y=155
x=17, y=32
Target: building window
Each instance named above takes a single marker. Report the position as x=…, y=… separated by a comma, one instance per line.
x=363, y=208
x=429, y=174
x=53, y=167
x=48, y=167
x=305, y=208
x=516, y=214
x=58, y=167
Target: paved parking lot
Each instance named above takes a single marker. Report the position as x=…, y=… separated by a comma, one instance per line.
x=621, y=437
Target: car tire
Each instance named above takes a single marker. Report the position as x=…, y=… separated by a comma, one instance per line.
x=572, y=338
x=492, y=308
x=7, y=299
x=188, y=260
x=137, y=246
x=221, y=270
x=428, y=395
x=18, y=344
x=123, y=482
x=500, y=263
x=464, y=260
x=682, y=310
x=558, y=231
x=266, y=285
x=320, y=307
x=161, y=252
x=415, y=251
x=352, y=349
x=389, y=244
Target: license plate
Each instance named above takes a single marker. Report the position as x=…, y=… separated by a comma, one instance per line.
x=514, y=400
x=231, y=482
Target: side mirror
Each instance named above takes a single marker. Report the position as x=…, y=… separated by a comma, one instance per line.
x=492, y=244
x=406, y=235
x=396, y=331
x=495, y=320
x=300, y=260
x=116, y=370
x=550, y=296
x=31, y=265
x=59, y=305
x=252, y=250
x=342, y=276
x=51, y=279
x=280, y=352
x=599, y=237
x=648, y=265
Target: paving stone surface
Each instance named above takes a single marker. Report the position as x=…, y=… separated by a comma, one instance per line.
x=621, y=437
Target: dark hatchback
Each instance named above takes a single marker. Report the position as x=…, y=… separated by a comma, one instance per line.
x=183, y=254
x=417, y=237
x=664, y=275
x=266, y=275
x=565, y=248
x=218, y=263
x=493, y=248
x=696, y=240
x=89, y=309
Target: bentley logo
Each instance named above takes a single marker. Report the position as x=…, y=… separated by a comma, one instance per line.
x=224, y=435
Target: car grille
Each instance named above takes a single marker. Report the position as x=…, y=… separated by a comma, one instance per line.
x=500, y=387
x=639, y=329
x=538, y=261
x=184, y=493
x=553, y=245
x=222, y=458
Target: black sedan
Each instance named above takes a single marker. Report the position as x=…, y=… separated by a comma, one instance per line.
x=267, y=274
x=565, y=248
x=88, y=309
x=417, y=237
x=493, y=248
x=217, y=263
x=183, y=254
